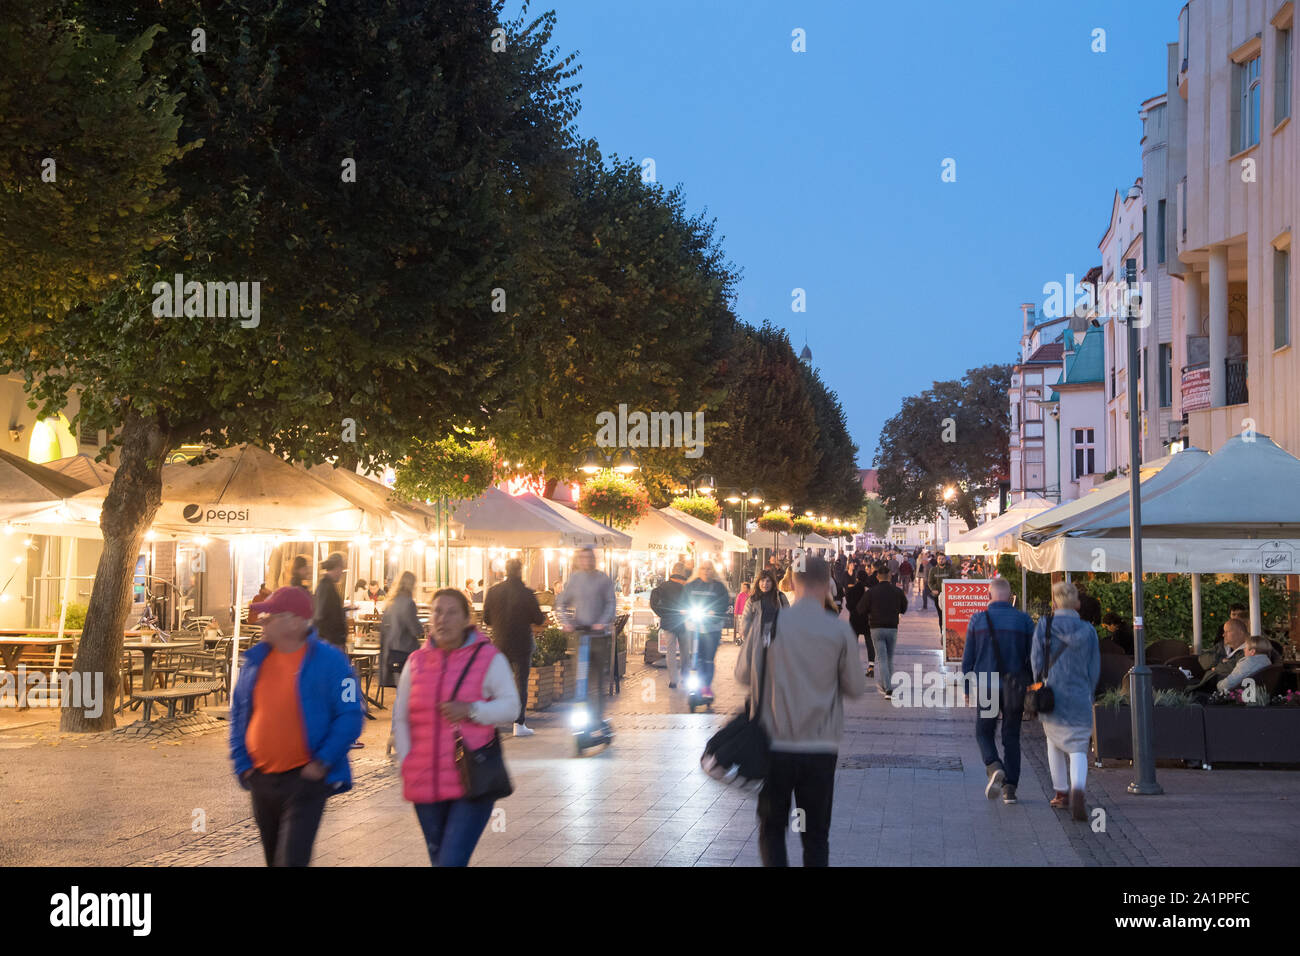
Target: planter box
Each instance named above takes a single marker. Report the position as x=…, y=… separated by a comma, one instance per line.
x=566, y=678
x=541, y=687
x=1179, y=733
x=1252, y=734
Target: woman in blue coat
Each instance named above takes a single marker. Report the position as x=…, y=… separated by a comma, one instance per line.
x=1068, y=659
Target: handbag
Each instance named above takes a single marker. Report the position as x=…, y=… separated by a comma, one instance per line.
x=482, y=771
x=1040, y=698
x=740, y=753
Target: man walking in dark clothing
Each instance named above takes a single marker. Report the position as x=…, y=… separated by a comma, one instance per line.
x=997, y=644
x=511, y=610
x=880, y=606
x=330, y=622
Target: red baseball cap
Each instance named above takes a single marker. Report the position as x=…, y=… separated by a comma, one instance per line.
x=291, y=599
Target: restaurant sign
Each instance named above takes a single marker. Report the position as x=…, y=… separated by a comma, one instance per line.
x=962, y=598
x=1196, y=389
x=1271, y=557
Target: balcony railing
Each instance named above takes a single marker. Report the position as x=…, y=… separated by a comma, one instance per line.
x=1235, y=376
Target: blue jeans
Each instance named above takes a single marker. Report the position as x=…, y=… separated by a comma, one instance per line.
x=706, y=648
x=885, y=638
x=452, y=829
x=1011, y=694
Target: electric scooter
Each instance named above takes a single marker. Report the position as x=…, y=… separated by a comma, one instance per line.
x=586, y=732
x=694, y=685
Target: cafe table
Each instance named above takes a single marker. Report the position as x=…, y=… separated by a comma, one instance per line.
x=14, y=642
x=370, y=655
x=147, y=647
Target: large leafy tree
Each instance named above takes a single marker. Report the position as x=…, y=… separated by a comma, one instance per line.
x=835, y=487
x=627, y=303
x=375, y=294
x=85, y=139
x=952, y=437
x=766, y=436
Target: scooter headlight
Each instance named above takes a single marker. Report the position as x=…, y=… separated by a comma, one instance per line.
x=693, y=682
x=695, y=616
x=579, y=719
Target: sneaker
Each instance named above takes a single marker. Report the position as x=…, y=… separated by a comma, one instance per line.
x=1009, y=794
x=707, y=693
x=523, y=730
x=884, y=693
x=994, y=788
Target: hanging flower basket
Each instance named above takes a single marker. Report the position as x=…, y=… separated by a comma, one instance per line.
x=826, y=529
x=778, y=522
x=701, y=506
x=614, y=499
x=802, y=526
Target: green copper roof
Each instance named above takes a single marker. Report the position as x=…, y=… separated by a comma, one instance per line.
x=1086, y=364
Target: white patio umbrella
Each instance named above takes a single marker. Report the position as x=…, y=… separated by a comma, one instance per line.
x=496, y=519
x=655, y=531
x=997, y=534
x=605, y=537
x=83, y=468
x=722, y=540
x=34, y=499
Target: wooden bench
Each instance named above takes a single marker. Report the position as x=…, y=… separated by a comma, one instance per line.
x=185, y=693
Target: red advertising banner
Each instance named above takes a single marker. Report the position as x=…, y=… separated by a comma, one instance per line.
x=962, y=598
x=1196, y=389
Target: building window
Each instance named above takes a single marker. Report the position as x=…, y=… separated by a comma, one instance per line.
x=1160, y=231
x=1084, y=452
x=1166, y=375
x=1245, y=132
x=1281, y=297
x=1282, y=77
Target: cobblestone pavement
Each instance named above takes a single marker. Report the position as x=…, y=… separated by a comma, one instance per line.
x=909, y=791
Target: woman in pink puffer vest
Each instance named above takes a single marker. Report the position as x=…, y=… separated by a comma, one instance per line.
x=427, y=714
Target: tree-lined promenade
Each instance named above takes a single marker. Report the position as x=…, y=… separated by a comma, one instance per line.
x=434, y=250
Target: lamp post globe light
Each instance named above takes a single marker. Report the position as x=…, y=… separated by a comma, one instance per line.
x=593, y=461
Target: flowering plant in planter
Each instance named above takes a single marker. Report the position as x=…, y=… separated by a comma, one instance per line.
x=701, y=506
x=613, y=498
x=826, y=529
x=778, y=522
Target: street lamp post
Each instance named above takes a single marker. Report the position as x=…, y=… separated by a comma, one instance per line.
x=1144, y=766
x=744, y=499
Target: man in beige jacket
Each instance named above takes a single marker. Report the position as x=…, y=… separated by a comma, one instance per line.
x=812, y=663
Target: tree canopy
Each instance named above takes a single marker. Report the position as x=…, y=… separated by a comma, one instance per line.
x=953, y=436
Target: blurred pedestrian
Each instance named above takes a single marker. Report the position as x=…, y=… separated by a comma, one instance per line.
x=1066, y=657
x=511, y=610
x=881, y=606
x=705, y=593
x=331, y=622
x=292, y=723
x=997, y=651
x=811, y=664
x=457, y=687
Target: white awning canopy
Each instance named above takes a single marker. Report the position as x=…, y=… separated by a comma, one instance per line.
x=997, y=534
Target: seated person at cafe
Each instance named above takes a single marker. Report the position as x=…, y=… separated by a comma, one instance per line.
x=361, y=592
x=1234, y=640
x=1119, y=630
x=263, y=592
x=1252, y=659
x=1241, y=613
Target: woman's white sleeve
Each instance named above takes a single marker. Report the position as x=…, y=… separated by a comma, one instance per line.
x=502, y=705
x=402, y=715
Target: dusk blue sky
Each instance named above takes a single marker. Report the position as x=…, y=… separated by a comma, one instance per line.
x=823, y=168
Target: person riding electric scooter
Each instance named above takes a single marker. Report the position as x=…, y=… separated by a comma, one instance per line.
x=587, y=606
x=707, y=606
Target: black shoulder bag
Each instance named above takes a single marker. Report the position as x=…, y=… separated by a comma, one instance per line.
x=1039, y=698
x=482, y=771
x=741, y=752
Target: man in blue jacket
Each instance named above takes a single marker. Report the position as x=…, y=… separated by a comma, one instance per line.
x=998, y=640
x=294, y=716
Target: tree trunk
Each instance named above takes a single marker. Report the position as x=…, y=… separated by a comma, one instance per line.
x=129, y=508
x=549, y=490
